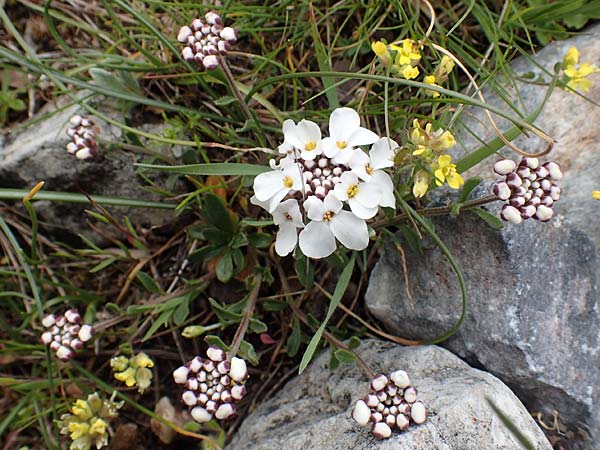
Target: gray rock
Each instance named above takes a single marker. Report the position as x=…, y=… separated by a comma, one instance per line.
x=313, y=411
x=38, y=153
x=532, y=317
x=566, y=116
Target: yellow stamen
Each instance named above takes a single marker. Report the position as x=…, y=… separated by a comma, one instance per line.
x=341, y=144
x=352, y=190
x=328, y=216
x=369, y=170
x=310, y=145
x=288, y=182
x=288, y=217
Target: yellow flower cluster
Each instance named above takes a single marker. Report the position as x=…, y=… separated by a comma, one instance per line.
x=576, y=77
x=428, y=146
x=134, y=371
x=440, y=74
x=407, y=56
x=88, y=422
x=596, y=195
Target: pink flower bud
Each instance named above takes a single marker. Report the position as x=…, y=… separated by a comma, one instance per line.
x=504, y=166
x=381, y=430
x=210, y=62
x=225, y=411
x=200, y=415
x=511, y=214
x=418, y=413
x=553, y=170
x=501, y=190
x=215, y=354
x=544, y=213
x=184, y=33
x=379, y=382
x=180, y=375
x=402, y=422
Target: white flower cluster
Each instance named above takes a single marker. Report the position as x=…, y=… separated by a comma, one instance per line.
x=83, y=134
x=65, y=333
x=205, y=40
x=529, y=189
x=213, y=385
x=392, y=403
x=318, y=177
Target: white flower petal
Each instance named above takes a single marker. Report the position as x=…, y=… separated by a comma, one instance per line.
x=317, y=240
x=358, y=164
x=369, y=194
x=332, y=203
x=360, y=210
x=342, y=123
x=383, y=180
x=308, y=131
x=287, y=238
x=257, y=202
x=293, y=171
x=341, y=192
x=343, y=155
x=382, y=153
x=362, y=136
x=267, y=184
x=330, y=149
x=351, y=231
x=315, y=209
x=276, y=199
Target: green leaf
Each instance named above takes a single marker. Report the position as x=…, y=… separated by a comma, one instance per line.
x=323, y=62
x=412, y=239
x=224, y=268
x=490, y=219
x=181, y=313
x=215, y=212
x=162, y=320
x=468, y=187
x=344, y=356
x=334, y=363
x=257, y=327
x=508, y=423
x=120, y=81
x=148, y=283
x=211, y=339
x=248, y=353
x=224, y=314
x=304, y=269
x=103, y=265
x=295, y=338
x=211, y=169
x=274, y=305
x=336, y=298
x=224, y=101
x=354, y=342
x=260, y=240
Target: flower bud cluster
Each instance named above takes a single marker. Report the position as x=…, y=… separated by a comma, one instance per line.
x=205, y=40
x=213, y=385
x=529, y=189
x=134, y=371
x=88, y=422
x=66, y=334
x=82, y=131
x=392, y=403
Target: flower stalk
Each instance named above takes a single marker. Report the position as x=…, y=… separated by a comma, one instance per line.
x=248, y=311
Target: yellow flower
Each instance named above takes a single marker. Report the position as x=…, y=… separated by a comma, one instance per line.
x=446, y=171
x=78, y=429
x=119, y=363
x=127, y=376
x=81, y=409
x=98, y=426
x=444, y=68
x=134, y=371
x=444, y=142
x=381, y=51
x=596, y=195
x=422, y=180
x=142, y=360
x=420, y=150
x=571, y=58
x=408, y=53
x=430, y=79
x=409, y=72
x=577, y=76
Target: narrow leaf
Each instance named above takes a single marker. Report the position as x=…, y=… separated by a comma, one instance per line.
x=339, y=291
